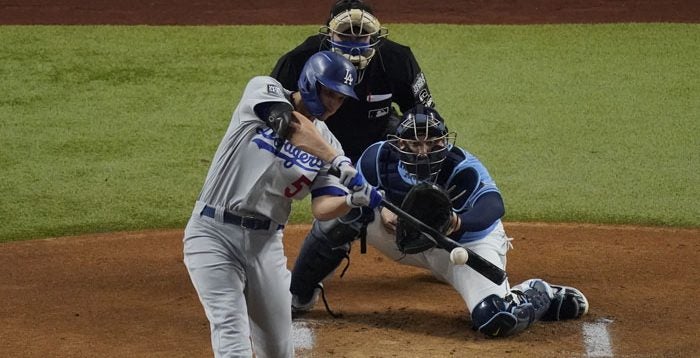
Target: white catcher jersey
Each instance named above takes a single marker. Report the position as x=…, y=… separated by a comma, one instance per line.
x=248, y=176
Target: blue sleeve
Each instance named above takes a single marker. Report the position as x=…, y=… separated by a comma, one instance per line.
x=477, y=200
x=486, y=210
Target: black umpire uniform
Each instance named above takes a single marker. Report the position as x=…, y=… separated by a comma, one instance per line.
x=392, y=76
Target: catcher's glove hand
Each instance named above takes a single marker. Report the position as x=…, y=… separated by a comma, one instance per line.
x=429, y=204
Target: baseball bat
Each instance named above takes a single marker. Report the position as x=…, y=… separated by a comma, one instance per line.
x=474, y=260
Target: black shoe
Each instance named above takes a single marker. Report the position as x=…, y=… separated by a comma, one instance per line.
x=301, y=306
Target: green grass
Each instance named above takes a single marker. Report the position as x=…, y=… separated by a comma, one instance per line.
x=579, y=123
x=112, y=128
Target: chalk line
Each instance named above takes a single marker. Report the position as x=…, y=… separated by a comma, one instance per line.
x=597, y=339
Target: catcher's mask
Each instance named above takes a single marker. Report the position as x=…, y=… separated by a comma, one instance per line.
x=422, y=141
x=354, y=32
x=330, y=70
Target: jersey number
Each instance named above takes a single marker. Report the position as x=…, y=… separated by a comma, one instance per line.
x=296, y=186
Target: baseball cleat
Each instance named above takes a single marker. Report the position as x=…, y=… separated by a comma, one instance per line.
x=299, y=306
x=567, y=303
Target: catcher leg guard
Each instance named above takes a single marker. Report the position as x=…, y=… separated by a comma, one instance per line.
x=502, y=317
x=568, y=303
x=324, y=248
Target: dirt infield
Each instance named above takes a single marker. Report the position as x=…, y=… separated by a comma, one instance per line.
x=128, y=294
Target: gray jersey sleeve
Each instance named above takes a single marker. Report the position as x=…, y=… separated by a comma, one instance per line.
x=250, y=174
x=260, y=89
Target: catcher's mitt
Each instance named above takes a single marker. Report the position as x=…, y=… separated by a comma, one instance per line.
x=429, y=204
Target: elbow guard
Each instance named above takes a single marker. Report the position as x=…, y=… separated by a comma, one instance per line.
x=277, y=116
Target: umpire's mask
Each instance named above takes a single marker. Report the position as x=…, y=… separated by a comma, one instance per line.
x=354, y=32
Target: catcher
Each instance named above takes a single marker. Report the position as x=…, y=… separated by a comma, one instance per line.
x=465, y=204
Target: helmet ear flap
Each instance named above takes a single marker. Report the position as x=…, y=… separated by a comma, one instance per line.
x=309, y=94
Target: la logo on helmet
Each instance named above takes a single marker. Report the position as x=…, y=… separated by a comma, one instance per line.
x=348, y=77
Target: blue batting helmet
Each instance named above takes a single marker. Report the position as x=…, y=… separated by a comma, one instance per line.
x=331, y=70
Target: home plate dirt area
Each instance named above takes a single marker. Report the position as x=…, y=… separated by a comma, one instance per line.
x=128, y=294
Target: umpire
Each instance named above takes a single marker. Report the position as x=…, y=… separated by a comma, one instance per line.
x=388, y=74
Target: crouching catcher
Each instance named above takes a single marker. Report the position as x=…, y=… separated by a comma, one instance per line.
x=423, y=151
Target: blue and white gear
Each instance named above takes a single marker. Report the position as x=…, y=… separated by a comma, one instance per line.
x=498, y=316
x=528, y=302
x=354, y=32
x=422, y=141
x=330, y=70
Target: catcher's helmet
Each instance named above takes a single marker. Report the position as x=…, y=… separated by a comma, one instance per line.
x=353, y=31
x=331, y=70
x=422, y=141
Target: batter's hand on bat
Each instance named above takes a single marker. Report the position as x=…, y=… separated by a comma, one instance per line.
x=349, y=176
x=305, y=136
x=367, y=196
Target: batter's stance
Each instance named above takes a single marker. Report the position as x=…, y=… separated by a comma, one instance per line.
x=271, y=153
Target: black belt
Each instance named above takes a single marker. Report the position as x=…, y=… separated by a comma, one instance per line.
x=248, y=222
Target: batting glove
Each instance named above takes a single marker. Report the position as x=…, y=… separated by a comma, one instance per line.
x=367, y=196
x=349, y=176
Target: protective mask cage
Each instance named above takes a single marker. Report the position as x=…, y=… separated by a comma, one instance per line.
x=423, y=166
x=354, y=23
x=422, y=141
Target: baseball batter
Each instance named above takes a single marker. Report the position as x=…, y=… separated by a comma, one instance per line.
x=422, y=150
x=271, y=154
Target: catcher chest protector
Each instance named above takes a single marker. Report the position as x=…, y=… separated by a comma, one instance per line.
x=429, y=204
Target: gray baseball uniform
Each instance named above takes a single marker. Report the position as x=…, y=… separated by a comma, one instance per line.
x=233, y=241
